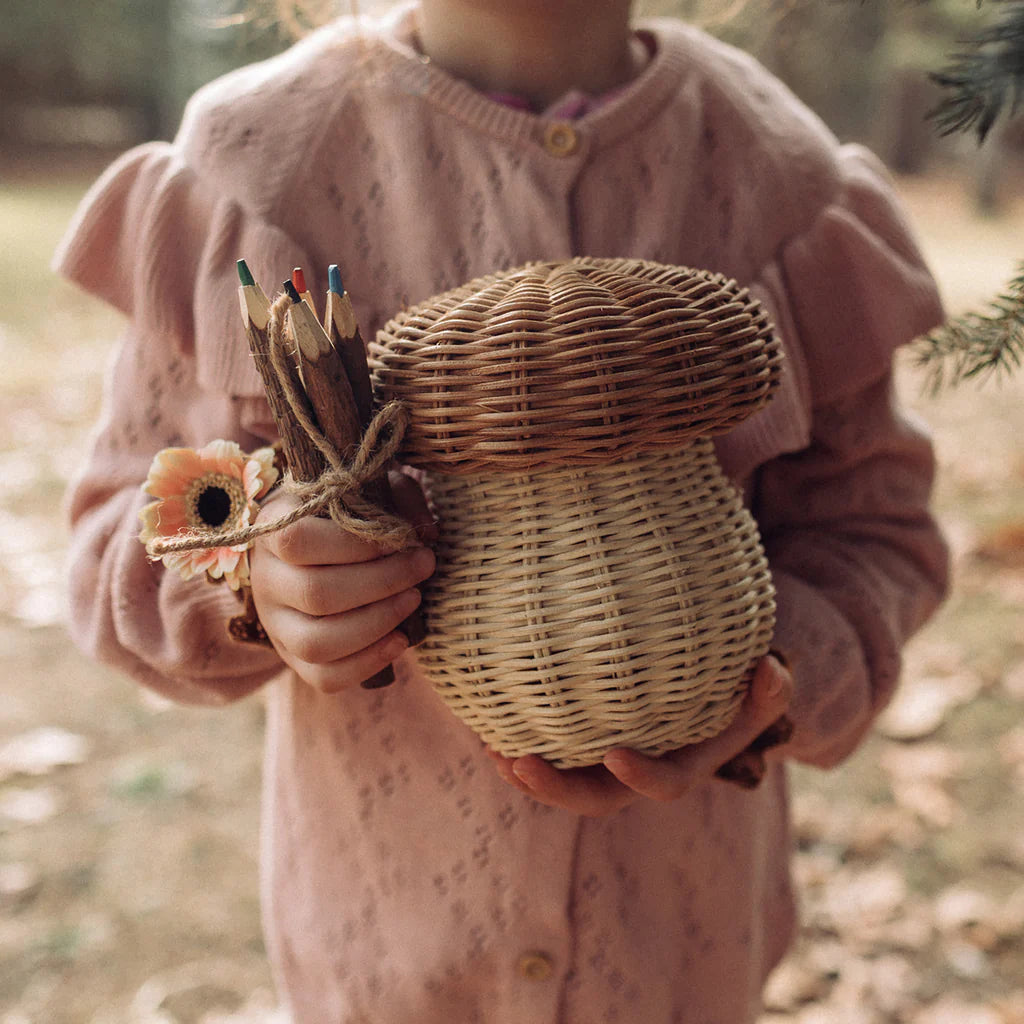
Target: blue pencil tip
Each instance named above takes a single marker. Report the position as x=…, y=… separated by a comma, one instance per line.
x=334, y=280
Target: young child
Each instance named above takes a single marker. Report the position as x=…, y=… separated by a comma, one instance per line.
x=408, y=877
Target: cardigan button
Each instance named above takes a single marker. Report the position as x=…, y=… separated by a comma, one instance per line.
x=561, y=139
x=535, y=966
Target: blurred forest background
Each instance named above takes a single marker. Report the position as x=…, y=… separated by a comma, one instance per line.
x=105, y=73
x=128, y=879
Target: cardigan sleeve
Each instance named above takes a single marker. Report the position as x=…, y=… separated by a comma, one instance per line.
x=855, y=282
x=155, y=239
x=150, y=240
x=857, y=559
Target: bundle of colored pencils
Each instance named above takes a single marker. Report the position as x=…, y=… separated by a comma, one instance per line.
x=328, y=371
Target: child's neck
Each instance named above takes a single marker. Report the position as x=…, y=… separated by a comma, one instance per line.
x=538, y=49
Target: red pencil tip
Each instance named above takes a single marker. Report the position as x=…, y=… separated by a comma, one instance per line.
x=299, y=280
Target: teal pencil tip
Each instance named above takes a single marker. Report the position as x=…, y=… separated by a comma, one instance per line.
x=334, y=280
x=244, y=274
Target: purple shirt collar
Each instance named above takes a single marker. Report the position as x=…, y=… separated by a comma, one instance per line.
x=570, y=107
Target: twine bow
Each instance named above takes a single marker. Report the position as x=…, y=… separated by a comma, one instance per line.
x=338, y=491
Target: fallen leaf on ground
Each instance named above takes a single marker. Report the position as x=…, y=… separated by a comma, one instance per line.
x=921, y=704
x=887, y=825
x=260, y=1008
x=892, y=982
x=40, y=751
x=794, y=983
x=967, y=961
x=927, y=799
x=832, y=1014
x=154, y=701
x=959, y=906
x=1008, y=916
x=28, y=806
x=18, y=881
x=1003, y=546
x=1011, y=1007
x=1011, y=750
x=812, y=869
x=922, y=761
x=189, y=990
x=952, y=1010
x=818, y=819
x=1013, y=681
x=913, y=930
x=856, y=899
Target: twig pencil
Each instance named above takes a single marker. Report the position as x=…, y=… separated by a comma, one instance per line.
x=325, y=380
x=342, y=334
x=333, y=403
x=304, y=461
x=343, y=331
x=299, y=282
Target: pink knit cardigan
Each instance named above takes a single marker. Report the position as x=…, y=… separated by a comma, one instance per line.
x=403, y=881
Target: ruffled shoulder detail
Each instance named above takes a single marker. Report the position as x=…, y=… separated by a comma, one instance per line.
x=784, y=424
x=855, y=282
x=158, y=244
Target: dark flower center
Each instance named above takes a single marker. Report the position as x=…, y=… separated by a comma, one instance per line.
x=213, y=506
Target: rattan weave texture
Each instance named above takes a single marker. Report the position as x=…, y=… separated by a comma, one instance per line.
x=568, y=363
x=599, y=581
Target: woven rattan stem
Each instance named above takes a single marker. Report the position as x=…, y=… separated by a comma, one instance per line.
x=630, y=624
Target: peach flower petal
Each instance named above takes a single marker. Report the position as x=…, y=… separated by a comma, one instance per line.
x=162, y=519
x=260, y=473
x=171, y=471
x=223, y=457
x=174, y=474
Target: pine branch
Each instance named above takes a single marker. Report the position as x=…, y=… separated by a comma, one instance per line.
x=976, y=346
x=986, y=79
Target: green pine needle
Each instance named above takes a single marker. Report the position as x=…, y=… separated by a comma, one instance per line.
x=986, y=79
x=976, y=346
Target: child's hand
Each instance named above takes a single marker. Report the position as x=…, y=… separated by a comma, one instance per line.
x=626, y=775
x=328, y=601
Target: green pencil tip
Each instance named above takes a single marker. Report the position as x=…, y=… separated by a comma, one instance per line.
x=334, y=280
x=244, y=274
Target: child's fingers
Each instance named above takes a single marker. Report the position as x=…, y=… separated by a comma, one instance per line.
x=316, y=541
x=503, y=766
x=772, y=685
x=626, y=774
x=312, y=540
x=348, y=673
x=324, y=640
x=324, y=590
x=669, y=777
x=592, y=792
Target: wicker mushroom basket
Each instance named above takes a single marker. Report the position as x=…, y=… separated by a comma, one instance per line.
x=599, y=581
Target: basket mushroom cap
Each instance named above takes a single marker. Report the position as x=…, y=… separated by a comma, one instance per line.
x=574, y=363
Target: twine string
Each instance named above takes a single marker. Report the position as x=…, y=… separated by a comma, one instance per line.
x=338, y=492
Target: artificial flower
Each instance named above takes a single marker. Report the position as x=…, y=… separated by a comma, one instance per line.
x=210, y=490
